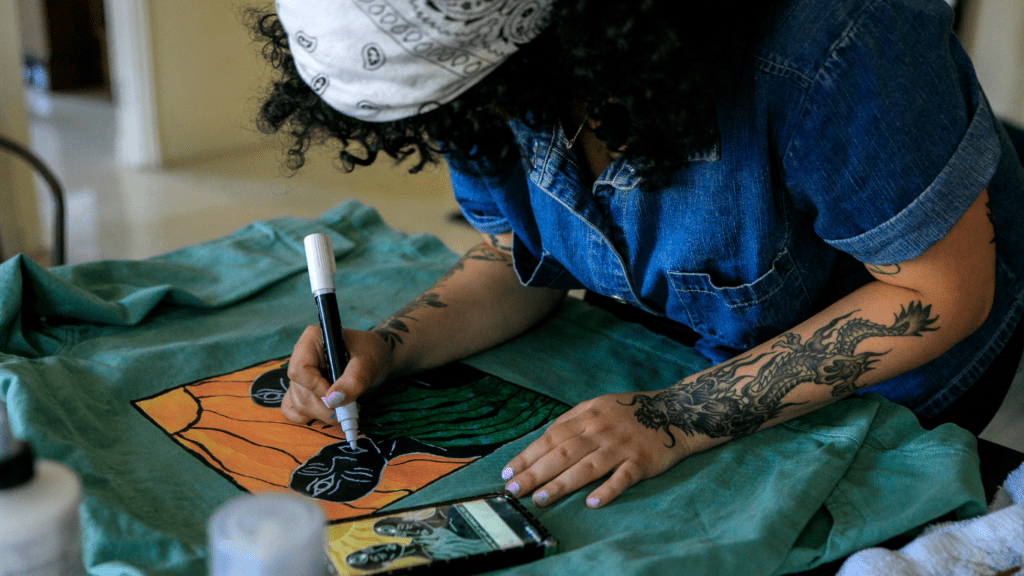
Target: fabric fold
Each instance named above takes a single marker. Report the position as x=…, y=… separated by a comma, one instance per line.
x=185, y=334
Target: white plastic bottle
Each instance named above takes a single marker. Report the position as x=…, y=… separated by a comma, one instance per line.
x=39, y=532
x=268, y=534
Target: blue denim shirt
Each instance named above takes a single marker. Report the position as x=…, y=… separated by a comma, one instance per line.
x=857, y=134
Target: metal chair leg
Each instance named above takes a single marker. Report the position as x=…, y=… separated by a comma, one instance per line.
x=58, y=256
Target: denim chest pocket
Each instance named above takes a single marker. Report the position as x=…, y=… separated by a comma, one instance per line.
x=746, y=315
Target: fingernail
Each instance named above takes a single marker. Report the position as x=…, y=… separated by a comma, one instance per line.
x=507, y=473
x=513, y=488
x=593, y=502
x=335, y=399
x=326, y=403
x=541, y=498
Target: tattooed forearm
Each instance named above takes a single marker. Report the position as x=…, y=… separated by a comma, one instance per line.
x=389, y=329
x=392, y=327
x=721, y=403
x=481, y=252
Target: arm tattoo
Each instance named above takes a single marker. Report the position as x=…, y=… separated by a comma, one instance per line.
x=496, y=242
x=488, y=254
x=481, y=252
x=392, y=327
x=885, y=269
x=991, y=219
x=723, y=404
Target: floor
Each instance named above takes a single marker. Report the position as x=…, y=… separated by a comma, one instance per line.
x=117, y=213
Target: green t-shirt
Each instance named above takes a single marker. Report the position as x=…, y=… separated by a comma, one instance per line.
x=134, y=374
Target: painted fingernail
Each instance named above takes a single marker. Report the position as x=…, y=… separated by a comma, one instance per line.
x=326, y=403
x=334, y=399
x=507, y=473
x=513, y=488
x=593, y=502
x=541, y=498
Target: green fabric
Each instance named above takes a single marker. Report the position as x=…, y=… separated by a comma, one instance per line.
x=79, y=343
x=429, y=414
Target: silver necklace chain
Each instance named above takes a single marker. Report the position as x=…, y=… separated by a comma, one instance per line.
x=569, y=142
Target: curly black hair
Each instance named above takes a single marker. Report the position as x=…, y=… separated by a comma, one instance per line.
x=650, y=72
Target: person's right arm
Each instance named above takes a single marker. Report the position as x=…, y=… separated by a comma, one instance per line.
x=477, y=304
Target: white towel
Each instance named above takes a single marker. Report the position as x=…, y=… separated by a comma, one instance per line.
x=984, y=546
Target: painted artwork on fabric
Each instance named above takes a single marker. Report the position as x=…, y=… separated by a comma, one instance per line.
x=413, y=431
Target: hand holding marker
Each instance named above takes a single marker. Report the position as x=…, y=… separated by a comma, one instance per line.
x=320, y=261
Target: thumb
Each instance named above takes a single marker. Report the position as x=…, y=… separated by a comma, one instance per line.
x=356, y=379
x=367, y=368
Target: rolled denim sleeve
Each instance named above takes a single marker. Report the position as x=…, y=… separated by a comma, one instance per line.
x=895, y=139
x=474, y=191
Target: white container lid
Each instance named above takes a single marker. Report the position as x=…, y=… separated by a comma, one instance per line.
x=268, y=534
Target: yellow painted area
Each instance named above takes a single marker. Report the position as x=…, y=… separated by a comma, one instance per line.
x=173, y=410
x=343, y=539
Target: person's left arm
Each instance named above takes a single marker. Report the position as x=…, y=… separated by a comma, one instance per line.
x=912, y=313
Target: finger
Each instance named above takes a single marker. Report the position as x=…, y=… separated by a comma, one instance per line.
x=593, y=466
x=626, y=475
x=300, y=406
x=305, y=367
x=555, y=435
x=311, y=405
x=561, y=457
x=571, y=413
x=364, y=371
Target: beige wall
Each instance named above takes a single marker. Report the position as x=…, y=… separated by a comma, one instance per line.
x=20, y=230
x=206, y=71
x=34, y=36
x=993, y=34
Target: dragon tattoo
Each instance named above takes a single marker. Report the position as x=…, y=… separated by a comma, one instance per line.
x=721, y=403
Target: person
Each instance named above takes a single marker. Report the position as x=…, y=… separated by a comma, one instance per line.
x=816, y=191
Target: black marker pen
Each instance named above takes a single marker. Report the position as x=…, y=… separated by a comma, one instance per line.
x=320, y=261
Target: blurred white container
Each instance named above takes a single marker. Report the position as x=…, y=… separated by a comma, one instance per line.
x=39, y=532
x=268, y=534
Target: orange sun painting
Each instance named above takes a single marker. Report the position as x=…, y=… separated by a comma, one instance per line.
x=413, y=431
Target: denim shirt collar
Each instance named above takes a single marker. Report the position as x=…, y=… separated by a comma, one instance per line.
x=545, y=151
x=543, y=146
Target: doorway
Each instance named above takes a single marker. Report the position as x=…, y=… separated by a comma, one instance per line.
x=65, y=46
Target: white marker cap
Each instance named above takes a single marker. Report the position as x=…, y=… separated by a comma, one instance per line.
x=320, y=261
x=348, y=417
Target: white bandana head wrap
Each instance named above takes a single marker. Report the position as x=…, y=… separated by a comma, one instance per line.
x=383, y=60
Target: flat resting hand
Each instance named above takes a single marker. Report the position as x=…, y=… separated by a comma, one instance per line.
x=595, y=438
